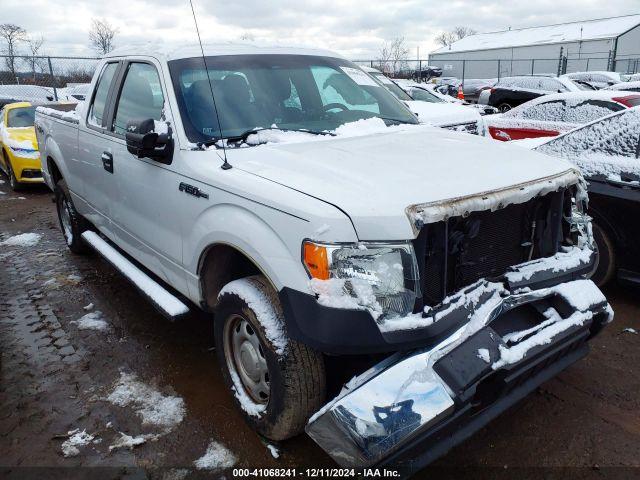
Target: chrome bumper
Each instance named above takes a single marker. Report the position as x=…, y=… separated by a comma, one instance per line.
x=404, y=396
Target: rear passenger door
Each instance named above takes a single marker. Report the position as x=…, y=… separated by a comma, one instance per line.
x=93, y=188
x=145, y=219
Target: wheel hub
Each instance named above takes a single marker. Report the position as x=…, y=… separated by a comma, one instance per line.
x=244, y=356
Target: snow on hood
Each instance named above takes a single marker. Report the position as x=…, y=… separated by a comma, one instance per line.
x=442, y=114
x=375, y=178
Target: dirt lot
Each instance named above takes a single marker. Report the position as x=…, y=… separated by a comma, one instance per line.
x=56, y=377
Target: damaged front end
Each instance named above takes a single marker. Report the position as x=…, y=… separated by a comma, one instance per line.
x=413, y=407
x=505, y=306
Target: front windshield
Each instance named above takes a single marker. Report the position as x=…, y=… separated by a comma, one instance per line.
x=425, y=96
x=21, y=117
x=293, y=92
x=392, y=87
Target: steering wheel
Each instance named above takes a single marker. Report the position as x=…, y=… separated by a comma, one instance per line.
x=331, y=106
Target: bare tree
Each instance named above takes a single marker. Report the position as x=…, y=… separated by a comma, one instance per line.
x=393, y=55
x=458, y=33
x=12, y=35
x=101, y=36
x=35, y=45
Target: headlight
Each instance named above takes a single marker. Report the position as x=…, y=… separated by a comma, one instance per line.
x=383, y=278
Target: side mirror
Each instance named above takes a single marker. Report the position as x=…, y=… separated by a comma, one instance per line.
x=150, y=139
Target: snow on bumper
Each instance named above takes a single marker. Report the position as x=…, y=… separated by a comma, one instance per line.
x=408, y=395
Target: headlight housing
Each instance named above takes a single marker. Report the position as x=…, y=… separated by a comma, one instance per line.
x=379, y=277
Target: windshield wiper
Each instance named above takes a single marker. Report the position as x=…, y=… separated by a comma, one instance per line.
x=244, y=135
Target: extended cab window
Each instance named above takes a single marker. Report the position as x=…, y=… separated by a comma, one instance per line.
x=140, y=98
x=96, y=111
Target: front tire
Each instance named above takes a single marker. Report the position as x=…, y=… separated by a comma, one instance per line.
x=504, y=107
x=277, y=382
x=605, y=267
x=71, y=222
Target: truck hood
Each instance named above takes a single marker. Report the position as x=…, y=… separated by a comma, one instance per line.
x=443, y=114
x=378, y=179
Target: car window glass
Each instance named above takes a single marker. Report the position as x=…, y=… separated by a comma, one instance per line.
x=614, y=136
x=141, y=97
x=21, y=117
x=589, y=111
x=547, y=111
x=96, y=110
x=424, y=96
x=339, y=89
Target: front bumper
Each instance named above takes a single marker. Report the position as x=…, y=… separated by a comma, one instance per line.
x=347, y=332
x=26, y=169
x=413, y=407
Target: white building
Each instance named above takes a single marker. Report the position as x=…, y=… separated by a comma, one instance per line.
x=600, y=44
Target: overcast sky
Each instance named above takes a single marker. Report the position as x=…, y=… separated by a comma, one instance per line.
x=355, y=28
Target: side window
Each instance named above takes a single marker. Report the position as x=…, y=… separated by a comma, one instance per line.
x=96, y=111
x=140, y=98
x=547, y=111
x=614, y=136
x=551, y=85
x=589, y=111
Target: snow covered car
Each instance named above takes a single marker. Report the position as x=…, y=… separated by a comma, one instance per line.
x=551, y=115
x=24, y=93
x=510, y=92
x=608, y=153
x=288, y=193
x=432, y=110
x=19, y=156
x=426, y=92
x=626, y=86
x=598, y=79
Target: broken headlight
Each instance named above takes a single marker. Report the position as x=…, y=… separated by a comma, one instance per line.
x=579, y=220
x=382, y=278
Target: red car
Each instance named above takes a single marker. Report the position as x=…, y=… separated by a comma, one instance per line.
x=551, y=115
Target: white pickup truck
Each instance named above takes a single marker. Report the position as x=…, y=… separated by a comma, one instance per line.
x=298, y=201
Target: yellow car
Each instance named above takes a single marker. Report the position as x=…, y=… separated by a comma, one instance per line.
x=19, y=155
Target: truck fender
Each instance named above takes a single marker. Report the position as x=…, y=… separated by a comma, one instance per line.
x=240, y=228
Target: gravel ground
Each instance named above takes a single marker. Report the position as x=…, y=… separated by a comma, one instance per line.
x=56, y=377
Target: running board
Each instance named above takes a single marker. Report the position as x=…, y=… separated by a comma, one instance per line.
x=167, y=303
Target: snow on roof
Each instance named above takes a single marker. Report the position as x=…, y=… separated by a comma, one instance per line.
x=600, y=28
x=175, y=51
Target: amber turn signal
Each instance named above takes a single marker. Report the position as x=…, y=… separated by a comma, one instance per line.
x=316, y=261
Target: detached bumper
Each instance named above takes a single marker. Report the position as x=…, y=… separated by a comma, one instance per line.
x=412, y=408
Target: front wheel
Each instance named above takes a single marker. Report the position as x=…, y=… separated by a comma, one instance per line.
x=605, y=266
x=504, y=107
x=278, y=383
x=71, y=222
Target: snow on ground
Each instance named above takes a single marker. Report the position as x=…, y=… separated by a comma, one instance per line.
x=216, y=457
x=275, y=453
x=261, y=306
x=88, y=308
x=153, y=407
x=92, y=321
x=22, y=240
x=127, y=441
x=630, y=330
x=76, y=439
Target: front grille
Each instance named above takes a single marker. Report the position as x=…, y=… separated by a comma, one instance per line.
x=459, y=251
x=471, y=127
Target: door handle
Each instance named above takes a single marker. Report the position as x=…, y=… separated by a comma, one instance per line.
x=107, y=161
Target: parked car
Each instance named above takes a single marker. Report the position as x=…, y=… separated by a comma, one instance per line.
x=626, y=86
x=426, y=91
x=597, y=79
x=427, y=73
x=24, y=93
x=510, y=92
x=608, y=153
x=432, y=110
x=289, y=193
x=19, y=155
x=551, y=115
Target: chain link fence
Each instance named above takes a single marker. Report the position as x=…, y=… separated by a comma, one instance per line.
x=40, y=79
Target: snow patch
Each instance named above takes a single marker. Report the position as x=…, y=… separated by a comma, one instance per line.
x=22, y=240
x=216, y=457
x=483, y=353
x=258, y=301
x=76, y=439
x=92, y=321
x=127, y=441
x=346, y=294
x=567, y=259
x=153, y=407
x=275, y=453
x=630, y=330
x=246, y=403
